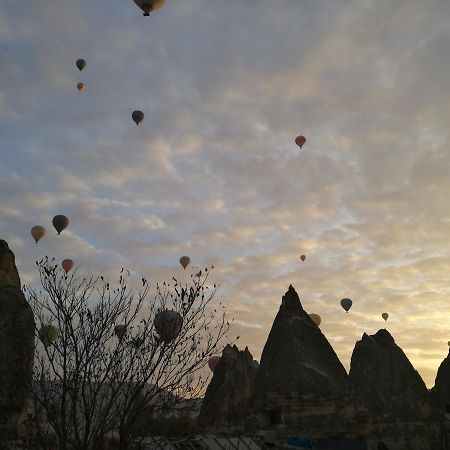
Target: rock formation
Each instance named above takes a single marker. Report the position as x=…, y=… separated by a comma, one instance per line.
x=441, y=390
x=16, y=343
x=228, y=393
x=386, y=383
x=301, y=384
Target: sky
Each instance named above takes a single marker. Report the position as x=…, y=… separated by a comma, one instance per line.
x=213, y=171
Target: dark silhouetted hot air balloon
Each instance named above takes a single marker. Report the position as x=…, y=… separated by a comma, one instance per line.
x=120, y=331
x=38, y=233
x=213, y=361
x=385, y=316
x=67, y=265
x=303, y=257
x=60, y=223
x=149, y=5
x=81, y=64
x=184, y=261
x=300, y=141
x=168, y=324
x=346, y=303
x=48, y=334
x=137, y=116
x=80, y=87
x=316, y=319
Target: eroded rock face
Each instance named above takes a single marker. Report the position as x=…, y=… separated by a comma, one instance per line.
x=228, y=393
x=441, y=390
x=386, y=383
x=8, y=270
x=297, y=358
x=16, y=342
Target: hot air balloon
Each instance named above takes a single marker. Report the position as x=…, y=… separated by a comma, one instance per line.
x=149, y=5
x=81, y=64
x=38, y=233
x=80, y=87
x=60, y=223
x=385, y=316
x=213, y=361
x=137, y=116
x=346, y=303
x=168, y=324
x=303, y=257
x=184, y=261
x=120, y=331
x=48, y=334
x=67, y=265
x=300, y=141
x=315, y=318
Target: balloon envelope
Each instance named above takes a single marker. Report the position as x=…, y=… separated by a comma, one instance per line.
x=346, y=303
x=137, y=116
x=48, y=334
x=184, y=261
x=385, y=316
x=38, y=233
x=67, y=265
x=80, y=87
x=149, y=5
x=168, y=324
x=81, y=64
x=60, y=223
x=300, y=141
x=303, y=257
x=213, y=361
x=316, y=319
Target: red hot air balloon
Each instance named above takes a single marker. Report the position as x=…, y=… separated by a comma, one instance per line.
x=60, y=223
x=184, y=261
x=168, y=324
x=213, y=361
x=300, y=141
x=81, y=64
x=67, y=265
x=137, y=116
x=303, y=257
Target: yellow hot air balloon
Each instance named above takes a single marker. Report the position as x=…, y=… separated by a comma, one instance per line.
x=38, y=233
x=385, y=316
x=48, y=334
x=184, y=261
x=316, y=319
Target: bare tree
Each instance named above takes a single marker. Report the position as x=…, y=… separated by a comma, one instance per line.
x=100, y=361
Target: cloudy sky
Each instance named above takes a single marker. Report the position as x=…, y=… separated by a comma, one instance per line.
x=213, y=172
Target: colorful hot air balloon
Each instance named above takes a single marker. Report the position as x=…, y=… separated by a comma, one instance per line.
x=137, y=116
x=149, y=5
x=60, y=223
x=213, y=361
x=346, y=303
x=303, y=257
x=38, y=233
x=316, y=319
x=120, y=331
x=48, y=334
x=184, y=261
x=80, y=87
x=385, y=316
x=81, y=64
x=300, y=141
x=67, y=265
x=168, y=324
